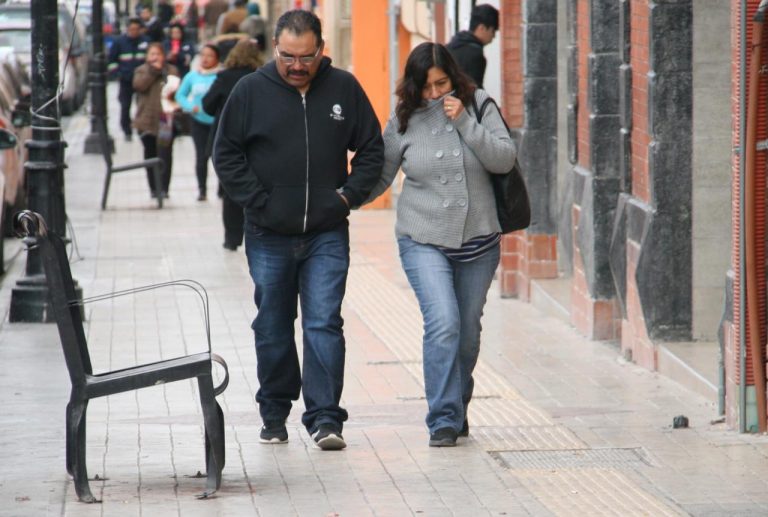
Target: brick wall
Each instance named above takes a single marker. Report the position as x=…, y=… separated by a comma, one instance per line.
x=640, y=138
x=733, y=373
x=595, y=316
x=511, y=19
x=524, y=255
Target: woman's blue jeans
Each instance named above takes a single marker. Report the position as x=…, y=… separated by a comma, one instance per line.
x=313, y=269
x=451, y=296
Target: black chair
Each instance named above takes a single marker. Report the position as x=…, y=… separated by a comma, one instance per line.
x=67, y=309
x=156, y=164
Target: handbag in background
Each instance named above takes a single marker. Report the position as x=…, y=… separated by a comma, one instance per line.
x=513, y=207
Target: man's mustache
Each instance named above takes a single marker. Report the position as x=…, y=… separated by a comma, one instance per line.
x=300, y=73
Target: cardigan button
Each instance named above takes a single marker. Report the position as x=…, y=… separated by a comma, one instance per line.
x=456, y=152
x=459, y=177
x=449, y=127
x=462, y=202
x=446, y=203
x=439, y=154
x=443, y=180
x=434, y=131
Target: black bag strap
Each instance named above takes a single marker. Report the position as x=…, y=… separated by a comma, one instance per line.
x=481, y=110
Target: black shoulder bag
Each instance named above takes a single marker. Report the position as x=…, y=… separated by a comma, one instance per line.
x=513, y=207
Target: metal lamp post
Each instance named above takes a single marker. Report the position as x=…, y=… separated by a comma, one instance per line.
x=44, y=168
x=97, y=81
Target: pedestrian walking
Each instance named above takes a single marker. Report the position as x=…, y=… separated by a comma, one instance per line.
x=127, y=53
x=467, y=46
x=211, y=13
x=192, y=22
x=190, y=95
x=178, y=49
x=244, y=59
x=447, y=230
x=153, y=27
x=151, y=121
x=281, y=152
x=230, y=21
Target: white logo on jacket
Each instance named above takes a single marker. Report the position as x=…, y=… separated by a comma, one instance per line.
x=336, y=112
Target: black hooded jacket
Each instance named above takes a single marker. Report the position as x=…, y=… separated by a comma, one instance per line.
x=467, y=50
x=283, y=157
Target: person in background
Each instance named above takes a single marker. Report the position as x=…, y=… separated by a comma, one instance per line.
x=230, y=21
x=242, y=60
x=127, y=53
x=192, y=22
x=165, y=12
x=179, y=51
x=254, y=25
x=189, y=96
x=211, y=14
x=281, y=153
x=467, y=46
x=447, y=228
x=148, y=81
x=153, y=29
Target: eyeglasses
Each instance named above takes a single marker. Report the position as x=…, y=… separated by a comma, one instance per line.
x=289, y=59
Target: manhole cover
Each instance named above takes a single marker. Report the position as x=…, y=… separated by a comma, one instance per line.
x=573, y=458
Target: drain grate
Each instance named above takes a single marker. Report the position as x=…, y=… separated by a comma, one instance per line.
x=628, y=458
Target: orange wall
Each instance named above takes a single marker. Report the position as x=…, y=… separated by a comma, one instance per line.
x=370, y=54
x=370, y=61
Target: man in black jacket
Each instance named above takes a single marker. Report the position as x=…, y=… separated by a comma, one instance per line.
x=127, y=53
x=467, y=46
x=281, y=153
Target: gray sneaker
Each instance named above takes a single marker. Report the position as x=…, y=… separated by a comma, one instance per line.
x=273, y=433
x=328, y=438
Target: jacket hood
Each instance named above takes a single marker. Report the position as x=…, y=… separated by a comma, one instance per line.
x=463, y=38
x=270, y=71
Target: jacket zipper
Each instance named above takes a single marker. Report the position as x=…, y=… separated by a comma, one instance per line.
x=306, y=141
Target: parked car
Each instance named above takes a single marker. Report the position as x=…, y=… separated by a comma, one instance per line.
x=15, y=24
x=14, y=118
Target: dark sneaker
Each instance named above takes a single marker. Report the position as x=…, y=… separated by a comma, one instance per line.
x=328, y=438
x=464, y=429
x=443, y=437
x=273, y=433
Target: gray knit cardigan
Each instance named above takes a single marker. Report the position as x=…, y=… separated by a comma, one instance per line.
x=447, y=197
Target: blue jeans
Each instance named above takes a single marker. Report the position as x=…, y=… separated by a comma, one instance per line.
x=451, y=296
x=313, y=269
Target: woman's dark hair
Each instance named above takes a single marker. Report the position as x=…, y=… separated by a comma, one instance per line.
x=215, y=48
x=409, y=91
x=177, y=25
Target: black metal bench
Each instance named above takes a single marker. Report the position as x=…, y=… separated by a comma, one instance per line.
x=67, y=309
x=156, y=164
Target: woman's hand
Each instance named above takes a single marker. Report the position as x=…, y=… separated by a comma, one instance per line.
x=452, y=107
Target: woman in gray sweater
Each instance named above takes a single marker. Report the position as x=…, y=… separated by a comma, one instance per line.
x=446, y=229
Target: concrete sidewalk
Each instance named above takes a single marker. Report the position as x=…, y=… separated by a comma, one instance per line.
x=559, y=425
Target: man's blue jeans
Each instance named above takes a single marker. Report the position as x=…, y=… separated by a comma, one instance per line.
x=312, y=268
x=451, y=296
